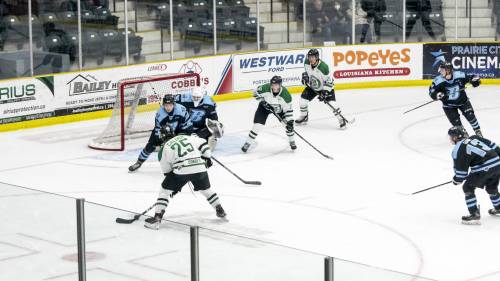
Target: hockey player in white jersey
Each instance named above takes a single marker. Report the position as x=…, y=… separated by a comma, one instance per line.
x=318, y=82
x=183, y=159
x=272, y=97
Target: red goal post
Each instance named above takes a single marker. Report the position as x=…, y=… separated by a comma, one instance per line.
x=134, y=110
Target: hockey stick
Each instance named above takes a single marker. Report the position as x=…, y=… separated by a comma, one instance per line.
x=136, y=217
x=419, y=106
x=432, y=187
x=242, y=180
x=461, y=89
x=335, y=111
x=323, y=154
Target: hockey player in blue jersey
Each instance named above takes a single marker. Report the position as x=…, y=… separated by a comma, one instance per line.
x=202, y=110
x=170, y=114
x=449, y=87
x=482, y=157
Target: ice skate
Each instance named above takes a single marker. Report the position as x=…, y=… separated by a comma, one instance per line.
x=220, y=211
x=153, y=222
x=302, y=119
x=245, y=147
x=135, y=166
x=494, y=212
x=472, y=219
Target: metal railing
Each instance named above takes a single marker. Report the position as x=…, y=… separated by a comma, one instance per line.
x=130, y=250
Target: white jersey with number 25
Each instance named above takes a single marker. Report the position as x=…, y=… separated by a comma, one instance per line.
x=182, y=155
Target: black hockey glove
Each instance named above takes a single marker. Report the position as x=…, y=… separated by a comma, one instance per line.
x=326, y=96
x=305, y=79
x=476, y=81
x=289, y=126
x=208, y=162
x=266, y=106
x=441, y=96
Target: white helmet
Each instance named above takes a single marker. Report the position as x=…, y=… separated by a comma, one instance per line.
x=198, y=94
x=215, y=127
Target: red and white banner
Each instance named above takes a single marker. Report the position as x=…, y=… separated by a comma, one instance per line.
x=368, y=63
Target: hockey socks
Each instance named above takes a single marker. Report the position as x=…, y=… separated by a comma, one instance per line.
x=471, y=202
x=143, y=156
x=495, y=200
x=213, y=200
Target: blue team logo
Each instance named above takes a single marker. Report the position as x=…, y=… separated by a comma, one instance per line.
x=438, y=57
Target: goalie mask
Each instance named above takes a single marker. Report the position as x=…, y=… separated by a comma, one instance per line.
x=197, y=95
x=215, y=128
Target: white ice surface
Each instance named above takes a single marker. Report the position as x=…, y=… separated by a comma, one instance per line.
x=350, y=208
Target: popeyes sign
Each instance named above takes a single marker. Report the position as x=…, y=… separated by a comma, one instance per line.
x=366, y=63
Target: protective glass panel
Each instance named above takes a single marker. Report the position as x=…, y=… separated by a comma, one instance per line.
x=236, y=27
x=328, y=21
x=38, y=239
x=378, y=21
x=193, y=28
x=14, y=40
x=425, y=20
x=103, y=33
x=226, y=257
x=281, y=24
x=346, y=270
x=150, y=21
x=121, y=251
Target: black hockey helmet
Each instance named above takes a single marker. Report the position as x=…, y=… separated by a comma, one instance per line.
x=446, y=65
x=458, y=132
x=276, y=80
x=168, y=99
x=166, y=133
x=313, y=52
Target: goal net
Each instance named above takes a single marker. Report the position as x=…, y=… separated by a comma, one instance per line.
x=134, y=111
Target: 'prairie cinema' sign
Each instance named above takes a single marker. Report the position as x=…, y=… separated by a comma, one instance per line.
x=481, y=59
x=256, y=69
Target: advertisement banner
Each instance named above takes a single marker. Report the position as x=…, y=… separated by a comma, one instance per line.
x=97, y=90
x=26, y=99
x=480, y=59
x=253, y=70
x=369, y=63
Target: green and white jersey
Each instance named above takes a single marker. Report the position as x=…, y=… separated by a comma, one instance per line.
x=319, y=76
x=281, y=103
x=182, y=155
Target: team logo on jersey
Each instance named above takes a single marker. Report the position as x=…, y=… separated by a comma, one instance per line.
x=314, y=83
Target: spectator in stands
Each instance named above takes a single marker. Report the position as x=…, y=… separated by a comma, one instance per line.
x=321, y=20
x=421, y=9
x=361, y=23
x=375, y=10
x=342, y=19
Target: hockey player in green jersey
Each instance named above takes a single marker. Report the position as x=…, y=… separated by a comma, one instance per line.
x=319, y=83
x=272, y=97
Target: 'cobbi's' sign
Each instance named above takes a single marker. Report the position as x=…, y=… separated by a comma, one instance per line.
x=376, y=63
